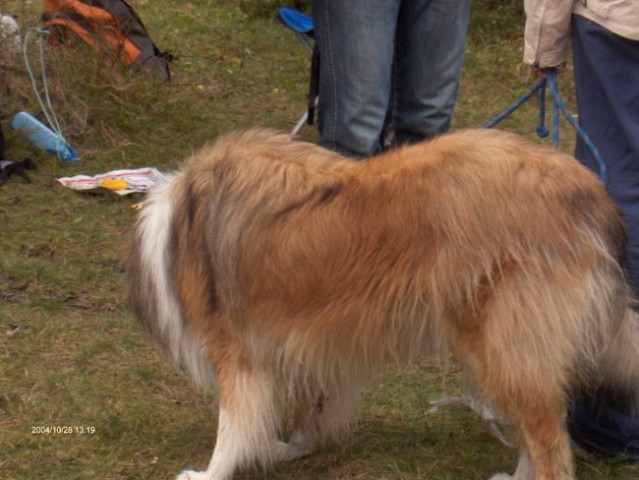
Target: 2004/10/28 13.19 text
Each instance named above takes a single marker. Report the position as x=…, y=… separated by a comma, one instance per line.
x=63, y=430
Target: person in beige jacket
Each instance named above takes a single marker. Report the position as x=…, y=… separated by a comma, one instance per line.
x=605, y=47
x=548, y=25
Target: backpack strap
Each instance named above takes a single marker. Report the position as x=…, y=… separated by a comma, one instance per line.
x=169, y=57
x=313, y=88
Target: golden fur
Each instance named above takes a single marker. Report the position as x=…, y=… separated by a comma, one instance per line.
x=281, y=273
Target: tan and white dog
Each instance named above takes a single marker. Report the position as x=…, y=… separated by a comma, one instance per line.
x=281, y=273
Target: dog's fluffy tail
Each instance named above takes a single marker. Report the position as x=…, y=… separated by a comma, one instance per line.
x=152, y=294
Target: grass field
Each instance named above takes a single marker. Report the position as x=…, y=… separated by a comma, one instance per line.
x=72, y=355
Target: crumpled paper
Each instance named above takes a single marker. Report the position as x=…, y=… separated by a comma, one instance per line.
x=122, y=182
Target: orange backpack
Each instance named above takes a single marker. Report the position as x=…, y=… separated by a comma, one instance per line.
x=111, y=23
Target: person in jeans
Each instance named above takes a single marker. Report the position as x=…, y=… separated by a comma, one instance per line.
x=605, y=46
x=377, y=57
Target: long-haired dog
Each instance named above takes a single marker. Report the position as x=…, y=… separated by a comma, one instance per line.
x=280, y=273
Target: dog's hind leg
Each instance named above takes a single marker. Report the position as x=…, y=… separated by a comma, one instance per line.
x=321, y=413
x=537, y=408
x=226, y=456
x=247, y=426
x=306, y=427
x=545, y=436
x=540, y=415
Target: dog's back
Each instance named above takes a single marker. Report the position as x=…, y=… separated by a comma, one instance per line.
x=286, y=271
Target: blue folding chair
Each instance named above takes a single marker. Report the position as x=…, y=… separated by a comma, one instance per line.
x=302, y=25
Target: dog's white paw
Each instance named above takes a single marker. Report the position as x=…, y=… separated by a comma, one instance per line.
x=502, y=476
x=191, y=475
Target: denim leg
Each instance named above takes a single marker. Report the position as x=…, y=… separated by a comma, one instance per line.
x=355, y=38
x=431, y=37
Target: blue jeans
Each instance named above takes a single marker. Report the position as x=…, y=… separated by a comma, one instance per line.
x=387, y=56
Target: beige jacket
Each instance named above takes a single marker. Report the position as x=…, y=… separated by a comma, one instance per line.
x=548, y=25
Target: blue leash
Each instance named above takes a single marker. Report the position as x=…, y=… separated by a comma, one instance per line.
x=558, y=106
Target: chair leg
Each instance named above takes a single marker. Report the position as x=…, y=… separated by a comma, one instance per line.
x=300, y=124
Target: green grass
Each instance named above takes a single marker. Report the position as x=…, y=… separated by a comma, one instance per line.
x=79, y=359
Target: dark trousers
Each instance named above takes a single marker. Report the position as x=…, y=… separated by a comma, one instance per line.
x=607, y=87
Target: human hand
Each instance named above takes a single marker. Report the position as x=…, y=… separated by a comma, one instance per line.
x=542, y=72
